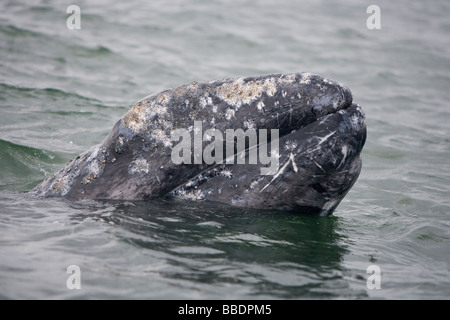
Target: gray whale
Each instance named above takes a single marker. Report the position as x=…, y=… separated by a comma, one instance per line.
x=321, y=135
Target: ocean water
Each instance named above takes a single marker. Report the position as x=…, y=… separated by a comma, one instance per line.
x=62, y=90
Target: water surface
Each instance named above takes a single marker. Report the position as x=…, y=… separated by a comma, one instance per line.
x=62, y=90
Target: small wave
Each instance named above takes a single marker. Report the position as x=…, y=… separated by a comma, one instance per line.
x=52, y=93
x=23, y=166
x=13, y=31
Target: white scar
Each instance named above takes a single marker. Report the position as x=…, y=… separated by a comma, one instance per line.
x=294, y=166
x=323, y=139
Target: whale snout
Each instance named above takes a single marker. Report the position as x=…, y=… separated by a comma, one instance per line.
x=331, y=160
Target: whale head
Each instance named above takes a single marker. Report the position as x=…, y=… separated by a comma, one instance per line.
x=321, y=135
x=314, y=138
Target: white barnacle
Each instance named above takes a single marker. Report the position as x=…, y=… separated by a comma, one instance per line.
x=140, y=165
x=159, y=109
x=94, y=168
x=321, y=87
x=240, y=92
x=290, y=145
x=164, y=97
x=189, y=184
x=260, y=105
x=204, y=101
x=305, y=78
x=61, y=185
x=226, y=173
x=198, y=195
x=182, y=194
x=121, y=141
x=194, y=195
x=249, y=124
x=229, y=114
x=95, y=162
x=160, y=136
x=136, y=118
x=253, y=184
x=288, y=79
x=270, y=86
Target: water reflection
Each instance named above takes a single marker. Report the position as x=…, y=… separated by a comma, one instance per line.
x=212, y=245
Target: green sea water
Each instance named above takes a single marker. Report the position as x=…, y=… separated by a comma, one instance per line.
x=62, y=90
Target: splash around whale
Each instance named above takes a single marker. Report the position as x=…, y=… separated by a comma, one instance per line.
x=295, y=146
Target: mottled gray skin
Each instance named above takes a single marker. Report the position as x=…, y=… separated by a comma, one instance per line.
x=134, y=161
x=318, y=165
